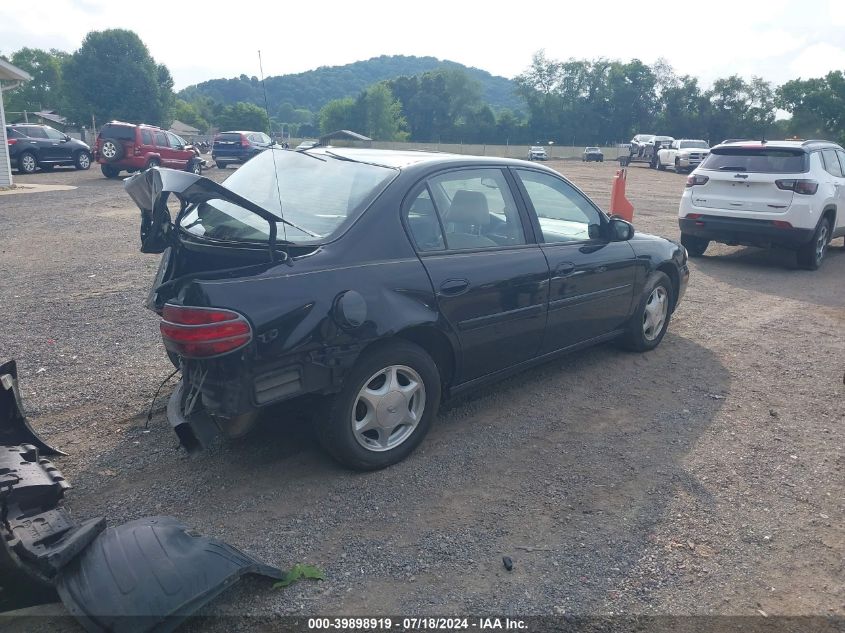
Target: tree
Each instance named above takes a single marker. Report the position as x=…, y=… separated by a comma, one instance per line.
x=339, y=114
x=113, y=76
x=380, y=115
x=243, y=116
x=189, y=113
x=43, y=92
x=817, y=106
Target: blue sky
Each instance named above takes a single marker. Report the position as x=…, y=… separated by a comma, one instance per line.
x=775, y=39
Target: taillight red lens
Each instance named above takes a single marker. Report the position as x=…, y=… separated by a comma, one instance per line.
x=804, y=187
x=203, y=332
x=12, y=141
x=693, y=216
x=696, y=179
x=244, y=141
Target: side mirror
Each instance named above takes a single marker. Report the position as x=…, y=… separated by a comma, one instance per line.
x=67, y=138
x=620, y=230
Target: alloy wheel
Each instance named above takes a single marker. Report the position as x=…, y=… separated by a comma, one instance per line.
x=109, y=150
x=821, y=243
x=28, y=163
x=654, y=315
x=388, y=408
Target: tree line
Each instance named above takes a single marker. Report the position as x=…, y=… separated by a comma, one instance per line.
x=578, y=101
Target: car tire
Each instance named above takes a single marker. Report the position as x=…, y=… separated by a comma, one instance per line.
x=153, y=162
x=220, y=165
x=661, y=166
x=110, y=171
x=654, y=311
x=195, y=167
x=393, y=367
x=82, y=160
x=27, y=163
x=111, y=150
x=695, y=245
x=811, y=255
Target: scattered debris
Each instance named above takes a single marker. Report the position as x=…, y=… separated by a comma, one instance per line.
x=298, y=572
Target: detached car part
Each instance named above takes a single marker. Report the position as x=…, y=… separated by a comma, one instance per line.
x=14, y=427
x=150, y=574
x=146, y=575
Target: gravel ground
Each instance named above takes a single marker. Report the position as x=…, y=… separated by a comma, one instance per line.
x=705, y=477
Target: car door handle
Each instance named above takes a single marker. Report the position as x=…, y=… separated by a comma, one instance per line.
x=454, y=286
x=564, y=268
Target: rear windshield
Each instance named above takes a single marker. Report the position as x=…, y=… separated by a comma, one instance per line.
x=320, y=194
x=229, y=136
x=762, y=160
x=121, y=132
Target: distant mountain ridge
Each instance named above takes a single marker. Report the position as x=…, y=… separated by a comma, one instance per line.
x=314, y=88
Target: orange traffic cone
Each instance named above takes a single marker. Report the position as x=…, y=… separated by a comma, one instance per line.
x=619, y=204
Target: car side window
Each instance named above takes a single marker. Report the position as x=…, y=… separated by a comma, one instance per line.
x=175, y=141
x=476, y=209
x=831, y=163
x=53, y=135
x=841, y=156
x=146, y=137
x=161, y=139
x=34, y=132
x=423, y=223
x=564, y=213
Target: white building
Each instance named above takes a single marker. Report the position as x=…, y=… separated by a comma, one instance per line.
x=10, y=77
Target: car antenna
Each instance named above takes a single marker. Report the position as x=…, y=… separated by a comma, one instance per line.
x=273, y=227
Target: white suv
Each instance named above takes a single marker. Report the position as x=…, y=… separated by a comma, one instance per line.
x=767, y=193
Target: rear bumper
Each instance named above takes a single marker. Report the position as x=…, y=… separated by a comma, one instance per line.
x=232, y=156
x=128, y=162
x=742, y=231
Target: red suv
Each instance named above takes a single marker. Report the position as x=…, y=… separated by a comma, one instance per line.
x=130, y=147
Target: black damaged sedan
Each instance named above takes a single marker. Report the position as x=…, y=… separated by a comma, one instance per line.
x=386, y=282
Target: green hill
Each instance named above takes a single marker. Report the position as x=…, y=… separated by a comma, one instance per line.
x=314, y=88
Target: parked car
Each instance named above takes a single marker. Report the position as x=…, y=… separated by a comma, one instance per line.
x=683, y=154
x=238, y=147
x=767, y=193
x=130, y=147
x=592, y=154
x=643, y=148
x=385, y=281
x=34, y=146
x=537, y=152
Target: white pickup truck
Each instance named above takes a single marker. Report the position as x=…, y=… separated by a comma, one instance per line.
x=683, y=155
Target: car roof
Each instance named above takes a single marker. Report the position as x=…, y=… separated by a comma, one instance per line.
x=807, y=145
x=401, y=159
x=147, y=125
x=242, y=132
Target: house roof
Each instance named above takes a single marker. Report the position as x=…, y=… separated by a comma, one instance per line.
x=177, y=127
x=354, y=136
x=50, y=115
x=12, y=73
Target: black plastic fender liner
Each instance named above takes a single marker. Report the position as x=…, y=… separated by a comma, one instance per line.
x=14, y=427
x=149, y=575
x=37, y=537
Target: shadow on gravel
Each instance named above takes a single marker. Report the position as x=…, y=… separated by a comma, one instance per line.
x=775, y=272
x=566, y=468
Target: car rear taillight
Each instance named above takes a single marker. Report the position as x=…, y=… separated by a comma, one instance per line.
x=696, y=179
x=692, y=216
x=12, y=141
x=136, y=150
x=244, y=141
x=798, y=185
x=203, y=332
